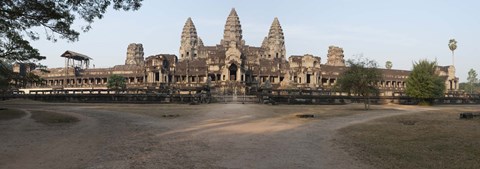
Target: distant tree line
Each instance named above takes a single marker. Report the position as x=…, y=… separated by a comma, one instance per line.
x=362, y=76
x=472, y=85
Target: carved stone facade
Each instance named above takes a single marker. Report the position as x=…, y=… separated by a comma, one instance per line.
x=190, y=42
x=335, y=56
x=448, y=74
x=134, y=54
x=232, y=31
x=231, y=64
x=274, y=43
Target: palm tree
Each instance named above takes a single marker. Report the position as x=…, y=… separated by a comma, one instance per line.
x=388, y=65
x=453, y=45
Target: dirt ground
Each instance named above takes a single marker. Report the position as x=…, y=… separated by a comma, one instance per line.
x=184, y=136
x=428, y=140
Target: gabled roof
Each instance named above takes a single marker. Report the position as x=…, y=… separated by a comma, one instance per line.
x=75, y=56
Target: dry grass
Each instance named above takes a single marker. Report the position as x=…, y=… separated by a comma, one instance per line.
x=424, y=140
x=46, y=117
x=9, y=114
x=22, y=101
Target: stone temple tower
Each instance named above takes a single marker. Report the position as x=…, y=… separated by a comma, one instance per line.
x=135, y=55
x=233, y=31
x=274, y=43
x=190, y=41
x=335, y=56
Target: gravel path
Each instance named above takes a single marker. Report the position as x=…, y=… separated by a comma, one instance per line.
x=202, y=136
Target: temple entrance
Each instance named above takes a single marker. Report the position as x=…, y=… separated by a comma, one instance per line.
x=233, y=72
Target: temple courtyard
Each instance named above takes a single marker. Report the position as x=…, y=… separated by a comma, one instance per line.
x=65, y=135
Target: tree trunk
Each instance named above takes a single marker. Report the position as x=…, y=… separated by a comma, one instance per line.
x=366, y=101
x=471, y=88
x=453, y=58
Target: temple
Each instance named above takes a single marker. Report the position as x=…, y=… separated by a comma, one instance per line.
x=230, y=66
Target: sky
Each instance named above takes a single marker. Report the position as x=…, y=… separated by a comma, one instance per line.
x=399, y=31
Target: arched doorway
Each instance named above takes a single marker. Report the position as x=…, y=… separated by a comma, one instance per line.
x=233, y=72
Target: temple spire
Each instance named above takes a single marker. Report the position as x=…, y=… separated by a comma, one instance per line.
x=233, y=30
x=233, y=12
x=274, y=43
x=189, y=40
x=276, y=31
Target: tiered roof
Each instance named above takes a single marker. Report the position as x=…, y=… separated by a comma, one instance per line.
x=233, y=29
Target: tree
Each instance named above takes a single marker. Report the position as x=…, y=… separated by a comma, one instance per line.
x=5, y=76
x=466, y=87
x=423, y=83
x=452, y=44
x=56, y=17
x=388, y=65
x=472, y=80
x=116, y=82
x=360, y=78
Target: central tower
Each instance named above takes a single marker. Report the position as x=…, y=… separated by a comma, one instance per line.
x=233, y=31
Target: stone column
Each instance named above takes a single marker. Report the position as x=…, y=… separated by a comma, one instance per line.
x=458, y=85
x=239, y=74
x=152, y=77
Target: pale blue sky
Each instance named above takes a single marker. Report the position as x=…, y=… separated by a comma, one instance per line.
x=399, y=31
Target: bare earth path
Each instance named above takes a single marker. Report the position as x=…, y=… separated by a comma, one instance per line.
x=201, y=136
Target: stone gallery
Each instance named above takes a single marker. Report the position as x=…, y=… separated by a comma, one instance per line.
x=231, y=66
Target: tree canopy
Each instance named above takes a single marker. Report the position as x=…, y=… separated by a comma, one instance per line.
x=116, y=82
x=18, y=18
x=472, y=80
x=470, y=88
x=5, y=77
x=423, y=83
x=360, y=78
x=388, y=64
x=452, y=45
